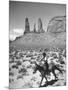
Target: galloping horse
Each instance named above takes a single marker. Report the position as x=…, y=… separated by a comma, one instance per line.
x=46, y=69
x=42, y=70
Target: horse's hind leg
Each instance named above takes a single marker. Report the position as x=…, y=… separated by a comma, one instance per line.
x=53, y=71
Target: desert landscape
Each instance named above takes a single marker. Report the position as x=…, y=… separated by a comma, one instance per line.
x=37, y=56
x=28, y=49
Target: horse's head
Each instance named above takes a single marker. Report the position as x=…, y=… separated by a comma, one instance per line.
x=36, y=67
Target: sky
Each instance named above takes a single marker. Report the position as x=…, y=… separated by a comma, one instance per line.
x=18, y=11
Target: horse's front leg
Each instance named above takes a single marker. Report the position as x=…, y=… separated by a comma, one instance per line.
x=41, y=81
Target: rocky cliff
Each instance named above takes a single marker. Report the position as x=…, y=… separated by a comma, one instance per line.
x=57, y=24
x=47, y=39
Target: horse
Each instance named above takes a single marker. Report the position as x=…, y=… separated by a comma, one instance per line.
x=42, y=70
x=46, y=69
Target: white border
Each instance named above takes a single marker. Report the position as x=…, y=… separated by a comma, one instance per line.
x=4, y=46
x=45, y=1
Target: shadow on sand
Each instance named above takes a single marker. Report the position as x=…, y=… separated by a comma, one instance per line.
x=49, y=83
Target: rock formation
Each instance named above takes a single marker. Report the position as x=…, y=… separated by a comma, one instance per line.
x=27, y=26
x=57, y=24
x=34, y=30
x=40, y=27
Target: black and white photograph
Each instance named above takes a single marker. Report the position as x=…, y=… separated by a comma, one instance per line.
x=37, y=44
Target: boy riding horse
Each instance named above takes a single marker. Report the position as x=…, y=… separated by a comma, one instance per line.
x=45, y=69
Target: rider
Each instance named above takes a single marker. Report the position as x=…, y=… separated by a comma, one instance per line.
x=45, y=65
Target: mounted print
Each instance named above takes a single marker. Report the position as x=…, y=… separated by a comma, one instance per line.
x=37, y=45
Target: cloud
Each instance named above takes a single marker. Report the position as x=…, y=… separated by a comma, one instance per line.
x=15, y=33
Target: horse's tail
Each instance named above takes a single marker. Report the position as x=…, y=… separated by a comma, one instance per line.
x=58, y=68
